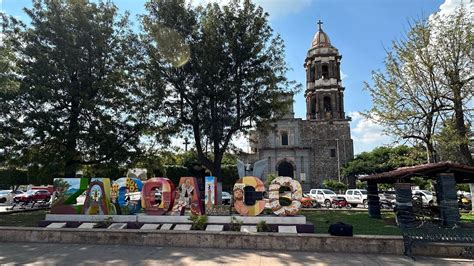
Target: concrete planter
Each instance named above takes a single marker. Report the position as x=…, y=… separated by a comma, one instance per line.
x=205, y=239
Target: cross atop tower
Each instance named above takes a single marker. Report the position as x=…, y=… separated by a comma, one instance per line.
x=319, y=24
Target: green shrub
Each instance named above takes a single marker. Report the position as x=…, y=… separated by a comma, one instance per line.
x=235, y=224
x=463, y=187
x=262, y=226
x=105, y=223
x=269, y=179
x=360, y=184
x=334, y=185
x=198, y=222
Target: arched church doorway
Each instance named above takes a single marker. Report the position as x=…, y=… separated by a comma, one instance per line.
x=285, y=169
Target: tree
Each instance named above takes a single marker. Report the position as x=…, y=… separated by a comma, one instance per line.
x=223, y=69
x=453, y=36
x=81, y=98
x=448, y=142
x=9, y=84
x=428, y=79
x=334, y=185
x=382, y=159
x=407, y=98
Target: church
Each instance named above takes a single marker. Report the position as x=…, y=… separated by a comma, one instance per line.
x=314, y=149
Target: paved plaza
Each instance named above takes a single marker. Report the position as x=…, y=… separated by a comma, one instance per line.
x=79, y=254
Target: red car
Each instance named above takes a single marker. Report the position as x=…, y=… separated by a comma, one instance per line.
x=33, y=196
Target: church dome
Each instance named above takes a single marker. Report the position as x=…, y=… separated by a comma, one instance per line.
x=321, y=39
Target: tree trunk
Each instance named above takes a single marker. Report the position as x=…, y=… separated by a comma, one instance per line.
x=430, y=152
x=71, y=160
x=217, y=167
x=461, y=130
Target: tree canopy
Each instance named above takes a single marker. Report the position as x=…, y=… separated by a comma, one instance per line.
x=81, y=96
x=223, y=69
x=382, y=159
x=427, y=82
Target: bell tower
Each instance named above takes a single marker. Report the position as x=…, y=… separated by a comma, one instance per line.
x=324, y=92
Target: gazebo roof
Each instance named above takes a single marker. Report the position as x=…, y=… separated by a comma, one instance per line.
x=462, y=173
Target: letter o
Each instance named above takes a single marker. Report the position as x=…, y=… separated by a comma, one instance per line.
x=274, y=196
x=239, y=196
x=167, y=195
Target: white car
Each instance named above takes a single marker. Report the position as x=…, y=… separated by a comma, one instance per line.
x=426, y=196
x=356, y=196
x=5, y=195
x=323, y=196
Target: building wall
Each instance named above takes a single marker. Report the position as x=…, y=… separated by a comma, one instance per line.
x=308, y=150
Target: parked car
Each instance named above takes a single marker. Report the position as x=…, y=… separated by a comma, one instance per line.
x=426, y=196
x=33, y=196
x=356, y=197
x=307, y=201
x=5, y=195
x=226, y=198
x=323, y=196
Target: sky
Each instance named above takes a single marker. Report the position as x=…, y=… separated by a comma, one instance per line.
x=361, y=30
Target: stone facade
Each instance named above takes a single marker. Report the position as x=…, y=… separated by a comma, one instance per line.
x=314, y=149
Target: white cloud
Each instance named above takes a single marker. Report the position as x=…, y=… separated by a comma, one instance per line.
x=450, y=7
x=276, y=8
x=280, y=8
x=343, y=75
x=367, y=134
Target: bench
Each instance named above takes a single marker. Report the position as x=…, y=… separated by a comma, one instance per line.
x=428, y=233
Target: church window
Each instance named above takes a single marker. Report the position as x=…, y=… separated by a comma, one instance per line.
x=325, y=71
x=327, y=104
x=311, y=73
x=333, y=152
x=284, y=138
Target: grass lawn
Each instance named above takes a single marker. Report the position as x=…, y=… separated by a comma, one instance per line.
x=363, y=225
x=467, y=217
x=23, y=219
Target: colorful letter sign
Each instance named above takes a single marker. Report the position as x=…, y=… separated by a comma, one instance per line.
x=66, y=192
x=150, y=195
x=158, y=196
x=98, y=198
x=187, y=196
x=127, y=193
x=295, y=196
x=210, y=191
x=249, y=189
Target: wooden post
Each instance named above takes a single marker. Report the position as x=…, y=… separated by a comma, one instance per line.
x=404, y=206
x=447, y=199
x=471, y=187
x=373, y=200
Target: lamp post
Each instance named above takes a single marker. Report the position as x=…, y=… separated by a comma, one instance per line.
x=338, y=162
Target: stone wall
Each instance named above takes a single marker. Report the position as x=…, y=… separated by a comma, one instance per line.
x=259, y=241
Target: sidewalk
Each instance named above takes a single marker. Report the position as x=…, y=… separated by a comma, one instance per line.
x=60, y=254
